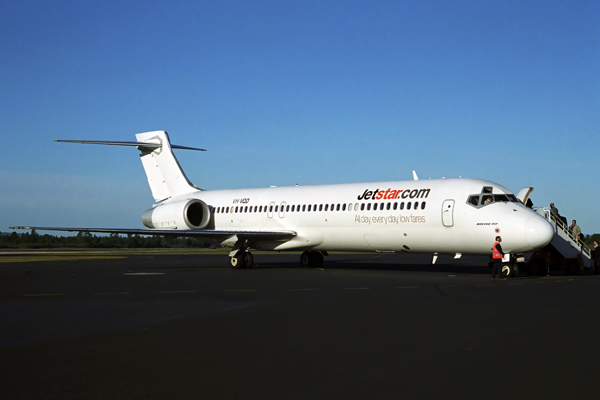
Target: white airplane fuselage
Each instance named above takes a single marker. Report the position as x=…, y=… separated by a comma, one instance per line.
x=417, y=216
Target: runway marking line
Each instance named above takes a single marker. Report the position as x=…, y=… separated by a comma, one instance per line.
x=406, y=287
x=357, y=288
x=301, y=290
x=179, y=291
x=42, y=294
x=142, y=273
x=241, y=290
x=113, y=293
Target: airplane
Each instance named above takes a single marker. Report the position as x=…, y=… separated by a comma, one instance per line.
x=456, y=216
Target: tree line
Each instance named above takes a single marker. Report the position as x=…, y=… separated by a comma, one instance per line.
x=34, y=240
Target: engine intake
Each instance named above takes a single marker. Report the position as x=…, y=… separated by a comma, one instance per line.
x=186, y=214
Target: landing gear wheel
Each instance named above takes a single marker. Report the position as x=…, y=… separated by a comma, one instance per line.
x=237, y=261
x=243, y=259
x=305, y=259
x=508, y=270
x=248, y=260
x=311, y=259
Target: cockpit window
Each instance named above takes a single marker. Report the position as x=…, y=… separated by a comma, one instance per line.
x=487, y=189
x=483, y=199
x=473, y=200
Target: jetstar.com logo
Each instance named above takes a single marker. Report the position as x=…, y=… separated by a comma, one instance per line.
x=391, y=194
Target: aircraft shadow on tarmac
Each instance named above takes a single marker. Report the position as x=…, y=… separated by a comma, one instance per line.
x=386, y=262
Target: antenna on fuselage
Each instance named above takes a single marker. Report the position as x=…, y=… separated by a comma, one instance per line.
x=415, y=177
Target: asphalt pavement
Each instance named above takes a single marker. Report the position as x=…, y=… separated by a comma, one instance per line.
x=364, y=326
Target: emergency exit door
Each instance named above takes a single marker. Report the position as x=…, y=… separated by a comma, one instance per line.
x=448, y=213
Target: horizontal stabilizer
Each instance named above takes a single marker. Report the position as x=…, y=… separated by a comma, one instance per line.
x=147, y=145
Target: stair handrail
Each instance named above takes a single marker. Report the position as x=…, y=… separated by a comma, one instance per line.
x=559, y=223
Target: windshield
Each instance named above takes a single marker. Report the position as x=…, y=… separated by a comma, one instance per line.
x=483, y=199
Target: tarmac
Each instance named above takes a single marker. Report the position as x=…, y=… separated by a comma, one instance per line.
x=365, y=326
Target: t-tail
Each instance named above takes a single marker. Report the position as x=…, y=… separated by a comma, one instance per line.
x=165, y=176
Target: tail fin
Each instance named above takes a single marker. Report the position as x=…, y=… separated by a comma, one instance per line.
x=164, y=173
x=165, y=176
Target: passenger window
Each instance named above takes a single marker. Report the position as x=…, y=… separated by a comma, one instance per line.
x=337, y=208
x=395, y=206
x=422, y=205
x=287, y=208
x=416, y=205
x=362, y=206
x=368, y=206
x=320, y=207
x=344, y=207
x=408, y=205
x=309, y=206
x=303, y=207
x=402, y=206
x=389, y=205
x=326, y=207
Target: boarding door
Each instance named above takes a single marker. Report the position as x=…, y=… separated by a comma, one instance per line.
x=448, y=213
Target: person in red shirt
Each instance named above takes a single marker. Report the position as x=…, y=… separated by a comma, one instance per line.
x=497, y=255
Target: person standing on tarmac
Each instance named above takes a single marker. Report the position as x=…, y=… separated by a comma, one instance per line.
x=497, y=255
x=596, y=257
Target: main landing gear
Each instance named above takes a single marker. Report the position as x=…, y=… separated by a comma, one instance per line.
x=312, y=259
x=242, y=259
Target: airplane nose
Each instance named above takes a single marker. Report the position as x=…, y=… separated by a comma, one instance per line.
x=538, y=232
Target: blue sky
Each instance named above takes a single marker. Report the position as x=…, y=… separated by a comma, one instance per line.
x=285, y=92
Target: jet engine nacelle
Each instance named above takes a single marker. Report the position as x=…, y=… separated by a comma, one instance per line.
x=186, y=214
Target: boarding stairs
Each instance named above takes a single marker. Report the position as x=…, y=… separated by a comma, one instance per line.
x=564, y=242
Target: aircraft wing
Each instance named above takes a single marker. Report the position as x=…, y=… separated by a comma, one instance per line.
x=204, y=233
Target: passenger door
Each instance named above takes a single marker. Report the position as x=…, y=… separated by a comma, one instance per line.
x=448, y=213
